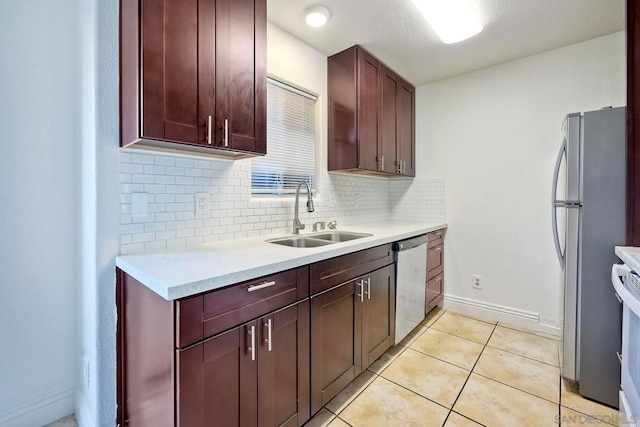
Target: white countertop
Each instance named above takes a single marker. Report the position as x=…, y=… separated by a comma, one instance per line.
x=630, y=255
x=179, y=274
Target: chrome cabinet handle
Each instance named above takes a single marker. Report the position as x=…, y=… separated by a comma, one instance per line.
x=261, y=286
x=268, y=338
x=619, y=357
x=252, y=335
x=381, y=162
x=438, y=279
x=226, y=132
x=368, y=287
x=209, y=130
x=439, y=248
x=400, y=167
x=439, y=233
x=361, y=285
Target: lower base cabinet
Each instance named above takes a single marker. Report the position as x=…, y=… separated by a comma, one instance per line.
x=248, y=376
x=352, y=325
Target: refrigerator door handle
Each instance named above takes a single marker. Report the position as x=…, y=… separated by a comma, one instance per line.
x=555, y=203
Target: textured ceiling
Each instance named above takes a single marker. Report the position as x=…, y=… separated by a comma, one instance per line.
x=395, y=32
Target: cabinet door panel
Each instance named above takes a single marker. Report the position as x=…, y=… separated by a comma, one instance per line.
x=406, y=127
x=378, y=330
x=368, y=111
x=336, y=342
x=241, y=75
x=216, y=382
x=389, y=121
x=170, y=70
x=283, y=367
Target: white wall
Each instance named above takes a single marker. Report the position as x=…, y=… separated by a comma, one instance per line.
x=494, y=135
x=38, y=250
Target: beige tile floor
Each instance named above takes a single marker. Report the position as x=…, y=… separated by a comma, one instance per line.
x=456, y=371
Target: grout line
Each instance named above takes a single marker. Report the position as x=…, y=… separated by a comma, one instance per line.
x=458, y=336
x=470, y=419
x=472, y=368
x=416, y=393
x=442, y=360
x=516, y=388
x=521, y=355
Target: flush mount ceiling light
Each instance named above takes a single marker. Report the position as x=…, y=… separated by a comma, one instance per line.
x=452, y=20
x=316, y=16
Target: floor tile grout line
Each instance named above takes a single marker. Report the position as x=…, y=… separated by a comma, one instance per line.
x=457, y=336
x=472, y=368
x=416, y=393
x=521, y=355
x=442, y=360
x=470, y=419
x=513, y=328
x=350, y=401
x=516, y=388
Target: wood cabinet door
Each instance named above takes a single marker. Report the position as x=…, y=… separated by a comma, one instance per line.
x=387, y=143
x=378, y=317
x=336, y=342
x=406, y=128
x=216, y=381
x=369, y=69
x=283, y=367
x=174, y=38
x=240, y=75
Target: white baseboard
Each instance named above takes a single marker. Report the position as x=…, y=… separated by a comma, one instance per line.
x=500, y=313
x=40, y=411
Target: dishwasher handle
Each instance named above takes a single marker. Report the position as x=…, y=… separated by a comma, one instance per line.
x=410, y=243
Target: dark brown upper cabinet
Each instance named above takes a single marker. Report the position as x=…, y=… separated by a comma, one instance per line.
x=193, y=75
x=371, y=116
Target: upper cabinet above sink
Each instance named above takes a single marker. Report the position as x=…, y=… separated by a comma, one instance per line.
x=371, y=117
x=193, y=75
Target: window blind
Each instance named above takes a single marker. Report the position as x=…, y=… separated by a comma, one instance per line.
x=291, y=142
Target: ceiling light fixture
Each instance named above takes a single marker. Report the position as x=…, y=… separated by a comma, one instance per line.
x=452, y=20
x=316, y=16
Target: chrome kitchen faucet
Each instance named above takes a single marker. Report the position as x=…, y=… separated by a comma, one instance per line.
x=297, y=225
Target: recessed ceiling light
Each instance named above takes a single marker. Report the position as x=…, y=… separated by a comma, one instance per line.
x=452, y=20
x=316, y=16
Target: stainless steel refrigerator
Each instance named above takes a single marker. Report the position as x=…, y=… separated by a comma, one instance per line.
x=588, y=205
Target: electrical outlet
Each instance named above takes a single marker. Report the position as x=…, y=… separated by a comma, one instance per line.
x=202, y=203
x=356, y=200
x=477, y=282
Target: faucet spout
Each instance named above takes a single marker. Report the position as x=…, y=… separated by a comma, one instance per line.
x=297, y=225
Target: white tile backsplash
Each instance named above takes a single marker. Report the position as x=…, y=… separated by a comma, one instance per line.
x=171, y=182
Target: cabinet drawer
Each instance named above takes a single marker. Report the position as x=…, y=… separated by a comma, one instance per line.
x=435, y=238
x=435, y=259
x=435, y=287
x=205, y=315
x=331, y=272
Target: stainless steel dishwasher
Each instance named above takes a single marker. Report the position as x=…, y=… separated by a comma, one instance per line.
x=411, y=274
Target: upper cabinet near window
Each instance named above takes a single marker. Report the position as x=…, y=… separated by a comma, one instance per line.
x=371, y=117
x=193, y=75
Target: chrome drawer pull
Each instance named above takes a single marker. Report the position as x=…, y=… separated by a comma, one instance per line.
x=268, y=339
x=252, y=349
x=261, y=286
x=619, y=357
x=209, y=130
x=226, y=132
x=368, y=292
x=439, y=248
x=360, y=284
x=439, y=278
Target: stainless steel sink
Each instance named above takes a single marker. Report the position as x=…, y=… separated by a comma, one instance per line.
x=340, y=236
x=315, y=240
x=300, y=242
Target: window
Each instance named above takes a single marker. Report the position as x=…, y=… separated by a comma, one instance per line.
x=291, y=142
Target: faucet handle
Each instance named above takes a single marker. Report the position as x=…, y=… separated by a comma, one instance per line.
x=332, y=225
x=321, y=224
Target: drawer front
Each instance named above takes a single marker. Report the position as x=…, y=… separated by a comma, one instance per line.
x=435, y=258
x=435, y=238
x=331, y=272
x=435, y=287
x=205, y=315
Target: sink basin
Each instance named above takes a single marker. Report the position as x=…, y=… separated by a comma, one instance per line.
x=300, y=242
x=340, y=236
x=315, y=240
